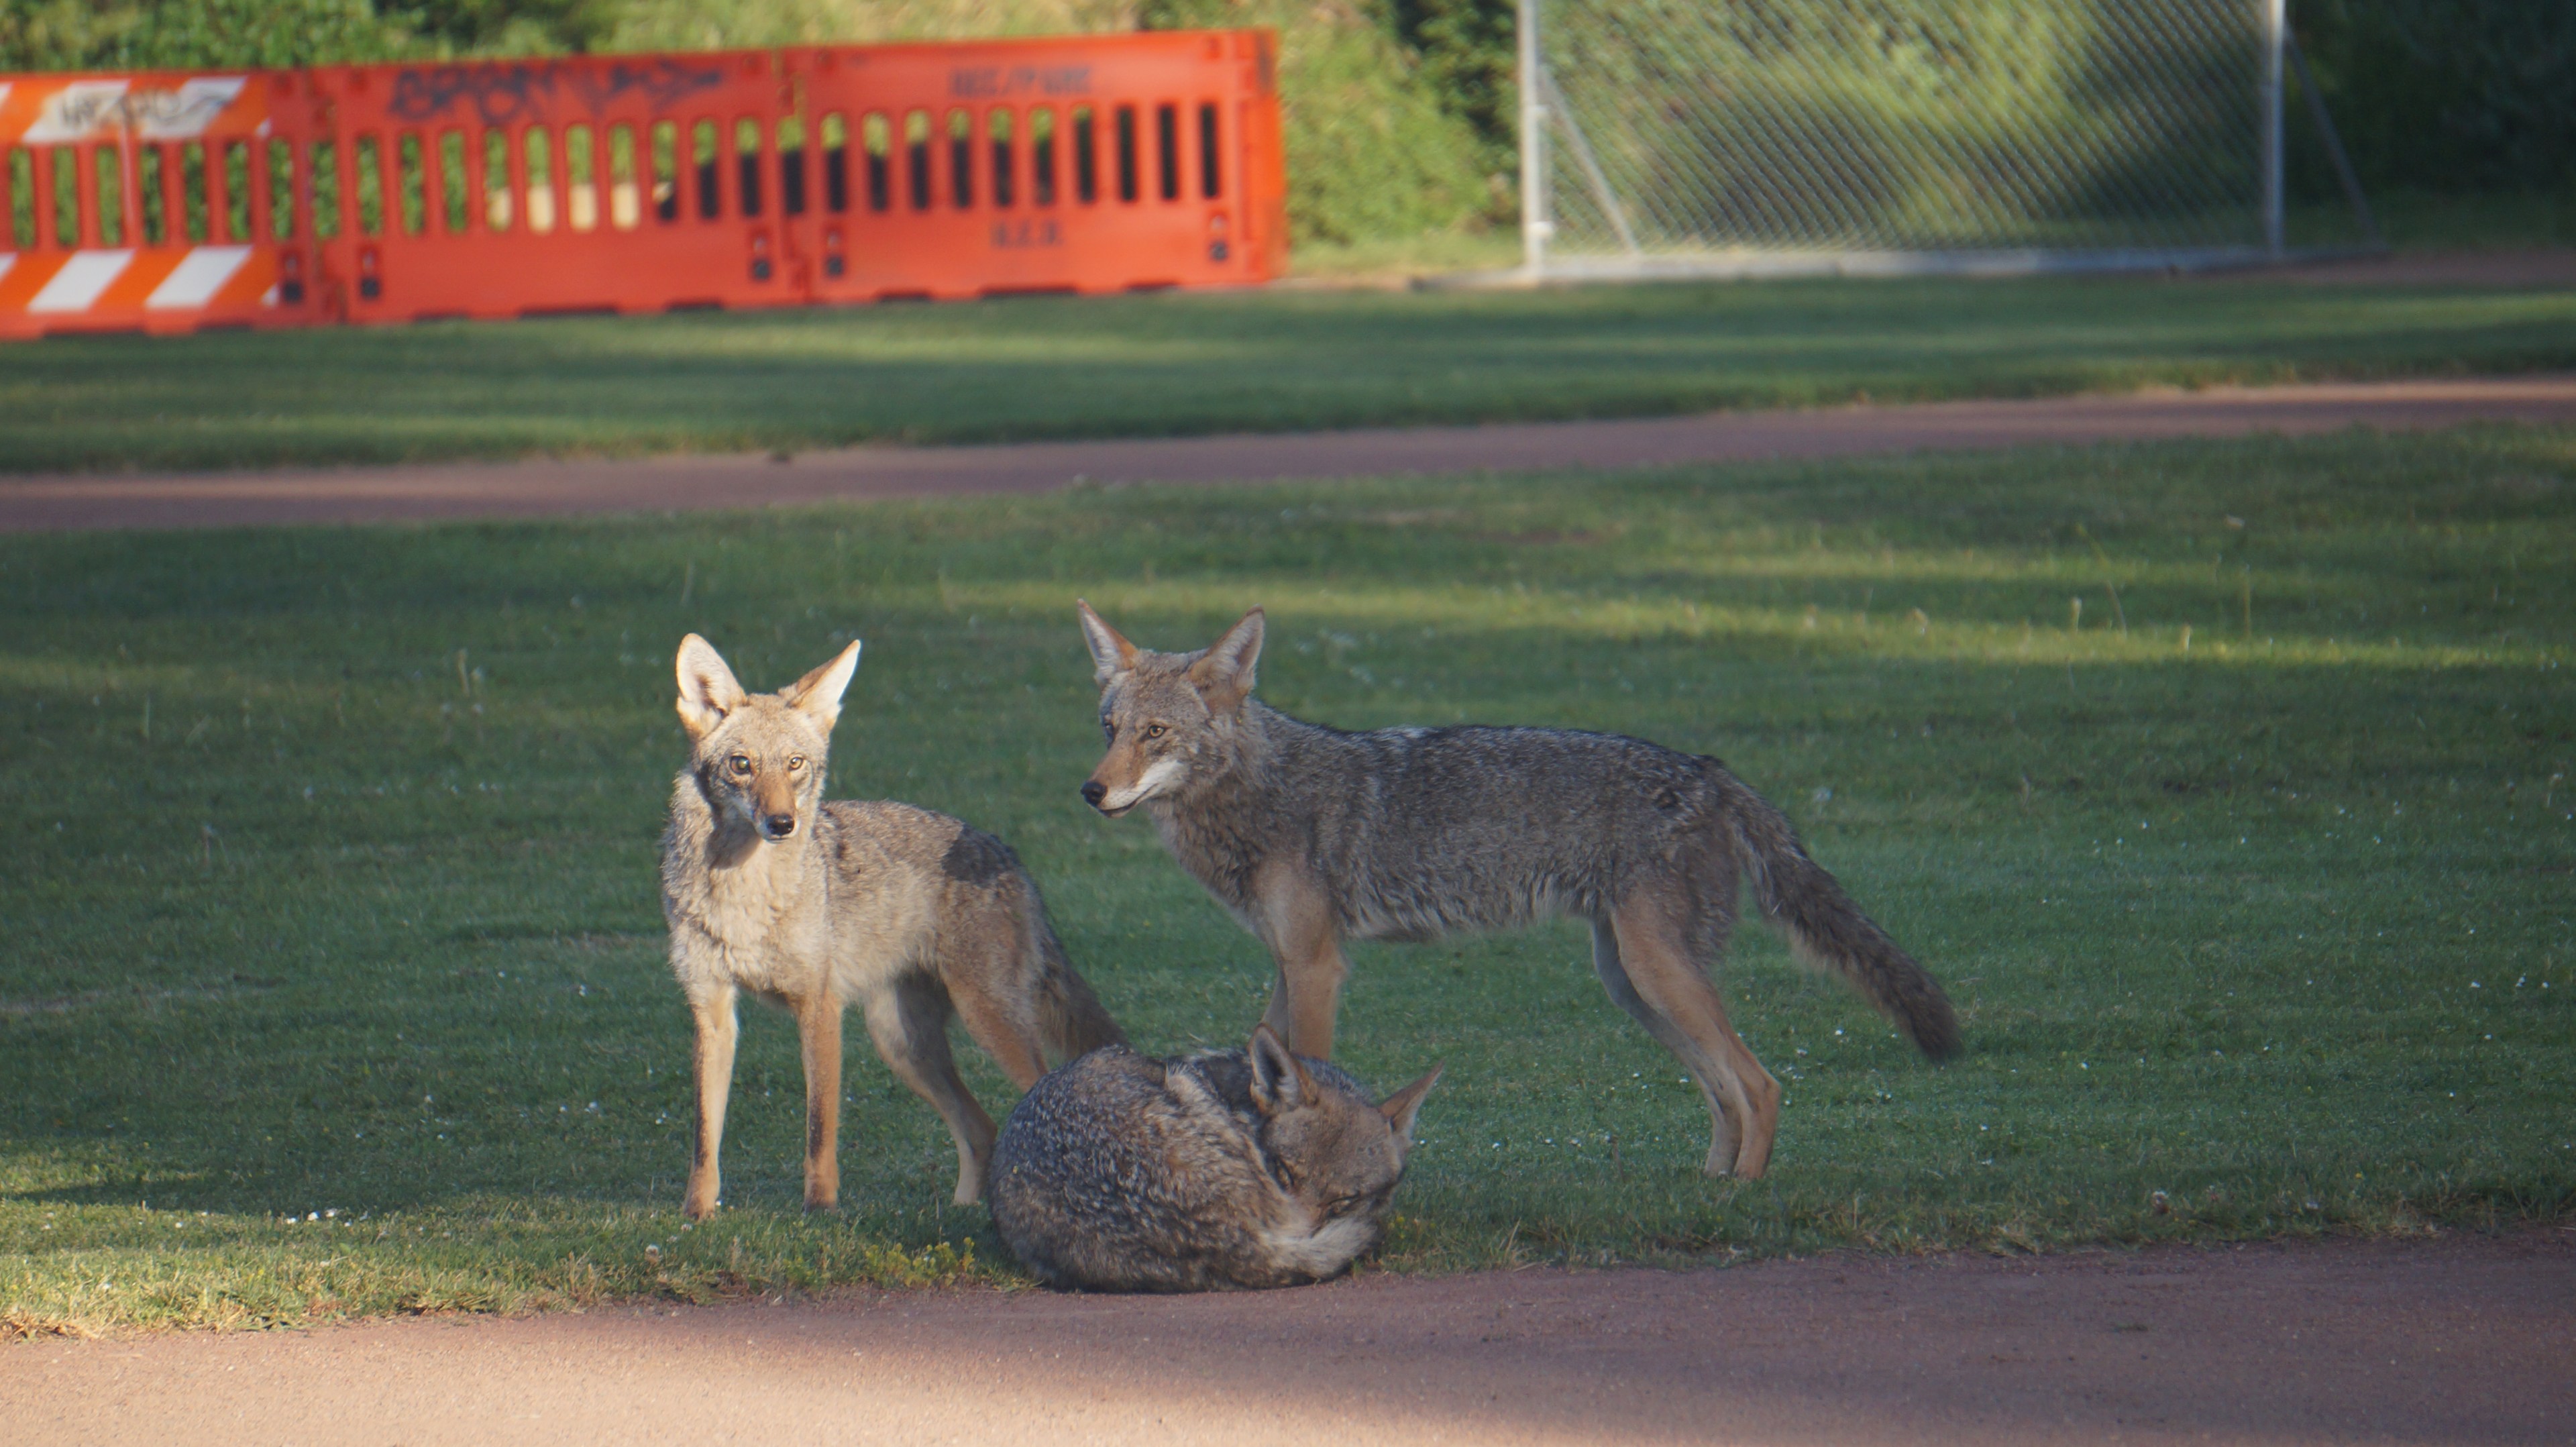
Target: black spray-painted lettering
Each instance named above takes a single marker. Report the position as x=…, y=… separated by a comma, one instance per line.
x=503, y=95
x=1000, y=82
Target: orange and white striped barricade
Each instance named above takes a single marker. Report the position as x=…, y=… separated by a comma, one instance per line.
x=401, y=192
x=142, y=201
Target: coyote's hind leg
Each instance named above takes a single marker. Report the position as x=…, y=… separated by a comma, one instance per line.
x=908, y=1020
x=1642, y=960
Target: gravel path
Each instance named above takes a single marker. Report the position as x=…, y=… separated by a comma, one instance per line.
x=2458, y=1340
x=538, y=489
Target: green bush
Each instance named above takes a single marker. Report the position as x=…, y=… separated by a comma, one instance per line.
x=1371, y=151
x=184, y=34
x=2447, y=95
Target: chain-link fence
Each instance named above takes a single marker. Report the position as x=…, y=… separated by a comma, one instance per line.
x=1717, y=135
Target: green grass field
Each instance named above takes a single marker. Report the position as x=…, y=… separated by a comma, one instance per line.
x=1283, y=360
x=333, y=982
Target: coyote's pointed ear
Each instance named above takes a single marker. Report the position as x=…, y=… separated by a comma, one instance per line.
x=1111, y=655
x=708, y=690
x=1401, y=1107
x=818, y=694
x=1279, y=1079
x=1224, y=674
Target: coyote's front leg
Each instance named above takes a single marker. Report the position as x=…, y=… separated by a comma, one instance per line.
x=712, y=1055
x=1297, y=923
x=818, y=1029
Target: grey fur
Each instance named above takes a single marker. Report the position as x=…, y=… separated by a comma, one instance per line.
x=911, y=915
x=1311, y=835
x=1223, y=1170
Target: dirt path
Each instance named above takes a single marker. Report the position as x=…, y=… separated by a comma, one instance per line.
x=2460, y=1340
x=533, y=489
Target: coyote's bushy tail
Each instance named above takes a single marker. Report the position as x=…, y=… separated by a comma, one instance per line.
x=1069, y=1015
x=1826, y=930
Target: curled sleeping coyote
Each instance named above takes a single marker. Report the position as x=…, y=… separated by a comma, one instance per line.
x=1230, y=1168
x=1312, y=836
x=910, y=915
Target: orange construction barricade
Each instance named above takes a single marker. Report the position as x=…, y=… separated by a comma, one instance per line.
x=639, y=183
x=150, y=201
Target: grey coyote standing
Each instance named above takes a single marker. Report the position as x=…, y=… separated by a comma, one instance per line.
x=911, y=915
x=1231, y=1168
x=1312, y=836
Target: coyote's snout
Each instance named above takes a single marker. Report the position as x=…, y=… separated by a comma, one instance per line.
x=1312, y=836
x=1232, y=1168
x=815, y=905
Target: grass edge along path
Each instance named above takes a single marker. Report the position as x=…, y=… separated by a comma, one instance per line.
x=1198, y=363
x=2224, y=785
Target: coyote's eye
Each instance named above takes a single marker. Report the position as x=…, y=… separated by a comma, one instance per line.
x=1155, y=731
x=739, y=763
x=795, y=762
x=1109, y=730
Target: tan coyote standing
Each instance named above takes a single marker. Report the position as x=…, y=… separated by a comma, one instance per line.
x=910, y=915
x=1312, y=836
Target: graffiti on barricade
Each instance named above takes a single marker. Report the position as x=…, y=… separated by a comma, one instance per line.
x=995, y=82
x=503, y=94
x=87, y=107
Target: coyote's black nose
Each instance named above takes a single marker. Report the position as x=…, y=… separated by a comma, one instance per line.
x=1093, y=791
x=778, y=826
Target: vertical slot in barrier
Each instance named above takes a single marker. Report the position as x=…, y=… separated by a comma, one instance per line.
x=1086, y=156
x=702, y=155
x=238, y=193
x=836, y=162
x=411, y=178
x=367, y=155
x=581, y=178
x=18, y=207
x=1126, y=153
x=324, y=159
x=997, y=127
x=455, y=202
x=1211, y=176
x=539, y=145
x=665, y=156
x=148, y=180
x=961, y=160
x=285, y=223
x=197, y=203
x=791, y=166
x=1042, y=156
x=107, y=172
x=497, y=211
x=876, y=137
x=65, y=163
x=625, y=194
x=916, y=157
x=746, y=154
x=1167, y=152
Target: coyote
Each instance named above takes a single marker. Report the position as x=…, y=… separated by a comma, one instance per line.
x=1230, y=1168
x=1312, y=836
x=911, y=914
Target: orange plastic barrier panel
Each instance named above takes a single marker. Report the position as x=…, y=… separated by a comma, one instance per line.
x=952, y=170
x=639, y=183
x=150, y=201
